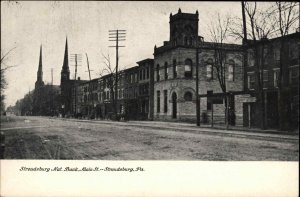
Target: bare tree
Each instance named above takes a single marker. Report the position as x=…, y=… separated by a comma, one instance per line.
x=260, y=26
x=219, y=35
x=264, y=22
x=4, y=66
x=286, y=16
x=111, y=80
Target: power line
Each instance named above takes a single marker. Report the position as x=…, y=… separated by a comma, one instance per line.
x=77, y=58
x=117, y=36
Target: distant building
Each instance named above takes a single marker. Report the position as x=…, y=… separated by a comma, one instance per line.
x=134, y=94
x=269, y=66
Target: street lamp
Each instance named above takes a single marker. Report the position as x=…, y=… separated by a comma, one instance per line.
x=198, y=50
x=95, y=110
x=63, y=107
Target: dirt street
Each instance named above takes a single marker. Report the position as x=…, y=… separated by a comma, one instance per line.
x=53, y=138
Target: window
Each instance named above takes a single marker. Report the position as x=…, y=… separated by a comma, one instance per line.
x=188, y=96
x=209, y=102
x=147, y=71
x=144, y=74
x=166, y=70
x=231, y=70
x=276, y=77
x=174, y=69
x=250, y=58
x=107, y=95
x=157, y=72
x=175, y=42
x=209, y=72
x=293, y=52
x=96, y=97
x=251, y=81
x=158, y=101
x=131, y=78
x=265, y=78
x=188, y=68
x=165, y=101
x=294, y=75
x=277, y=54
x=185, y=40
x=190, y=41
x=140, y=74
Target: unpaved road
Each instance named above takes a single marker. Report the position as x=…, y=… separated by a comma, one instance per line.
x=50, y=138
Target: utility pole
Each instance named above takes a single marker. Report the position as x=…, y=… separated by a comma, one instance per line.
x=116, y=36
x=88, y=65
x=77, y=58
x=245, y=59
x=52, y=110
x=197, y=87
x=90, y=88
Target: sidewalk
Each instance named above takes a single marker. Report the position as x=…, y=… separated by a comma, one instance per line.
x=189, y=127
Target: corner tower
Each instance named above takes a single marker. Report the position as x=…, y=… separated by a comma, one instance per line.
x=184, y=28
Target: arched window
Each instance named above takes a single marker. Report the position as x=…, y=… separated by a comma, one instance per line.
x=209, y=69
x=188, y=68
x=166, y=70
x=231, y=70
x=188, y=96
x=157, y=72
x=174, y=69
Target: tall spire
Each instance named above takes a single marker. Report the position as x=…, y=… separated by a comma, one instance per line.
x=65, y=72
x=40, y=62
x=39, y=82
x=66, y=60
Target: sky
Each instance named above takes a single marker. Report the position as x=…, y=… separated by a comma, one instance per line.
x=27, y=25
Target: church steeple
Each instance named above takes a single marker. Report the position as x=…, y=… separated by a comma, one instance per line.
x=39, y=82
x=65, y=72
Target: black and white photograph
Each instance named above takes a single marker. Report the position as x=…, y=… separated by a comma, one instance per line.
x=142, y=82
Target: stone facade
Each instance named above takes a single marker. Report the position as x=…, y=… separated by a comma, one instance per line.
x=175, y=73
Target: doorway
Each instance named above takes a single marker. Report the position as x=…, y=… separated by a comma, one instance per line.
x=174, y=101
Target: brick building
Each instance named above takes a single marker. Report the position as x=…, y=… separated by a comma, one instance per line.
x=134, y=96
x=269, y=59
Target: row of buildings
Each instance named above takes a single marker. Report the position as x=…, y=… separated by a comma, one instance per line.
x=164, y=87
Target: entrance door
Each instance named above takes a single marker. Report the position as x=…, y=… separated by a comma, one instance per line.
x=272, y=110
x=174, y=101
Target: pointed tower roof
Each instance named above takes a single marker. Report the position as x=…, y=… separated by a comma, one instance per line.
x=39, y=82
x=40, y=69
x=40, y=61
x=66, y=57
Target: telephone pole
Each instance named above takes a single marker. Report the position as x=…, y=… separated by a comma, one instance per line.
x=90, y=85
x=77, y=58
x=116, y=36
x=52, y=110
